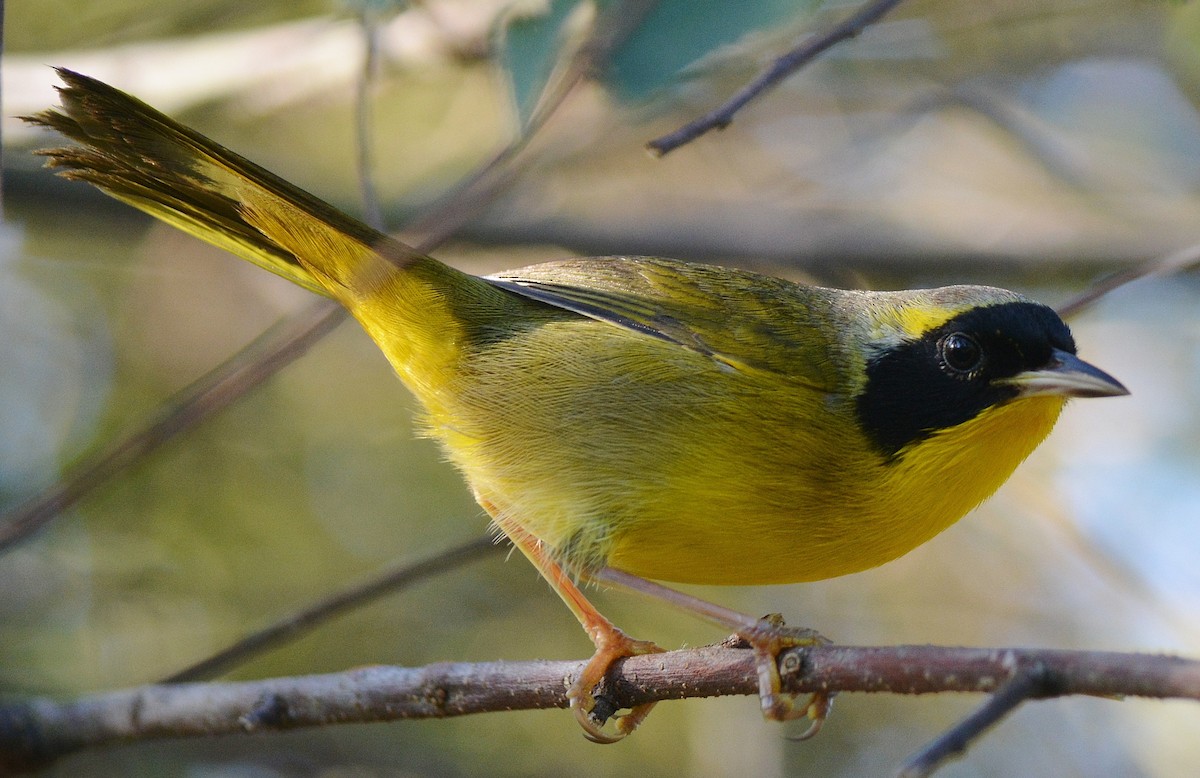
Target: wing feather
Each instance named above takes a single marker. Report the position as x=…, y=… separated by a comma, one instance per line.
x=742, y=320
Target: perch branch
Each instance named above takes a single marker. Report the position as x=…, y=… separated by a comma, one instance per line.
x=35, y=732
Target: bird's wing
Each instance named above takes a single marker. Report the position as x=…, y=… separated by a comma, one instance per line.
x=742, y=320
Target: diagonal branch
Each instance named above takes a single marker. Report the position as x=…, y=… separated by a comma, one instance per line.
x=35, y=732
x=1033, y=683
x=781, y=68
x=1175, y=262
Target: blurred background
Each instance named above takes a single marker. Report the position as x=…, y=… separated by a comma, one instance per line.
x=1035, y=145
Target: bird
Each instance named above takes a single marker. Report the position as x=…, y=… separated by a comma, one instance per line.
x=637, y=420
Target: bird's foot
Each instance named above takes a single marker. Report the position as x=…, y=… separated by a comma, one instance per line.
x=769, y=638
x=610, y=646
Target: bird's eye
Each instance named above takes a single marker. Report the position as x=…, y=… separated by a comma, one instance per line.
x=960, y=353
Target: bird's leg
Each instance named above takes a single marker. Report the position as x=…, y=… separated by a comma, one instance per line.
x=768, y=637
x=611, y=643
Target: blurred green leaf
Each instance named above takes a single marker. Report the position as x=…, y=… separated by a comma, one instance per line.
x=672, y=36
x=530, y=46
x=675, y=34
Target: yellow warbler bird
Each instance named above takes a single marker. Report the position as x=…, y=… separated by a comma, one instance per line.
x=632, y=418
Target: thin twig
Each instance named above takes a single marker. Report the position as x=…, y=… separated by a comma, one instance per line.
x=781, y=68
x=1030, y=684
x=295, y=626
x=35, y=732
x=1175, y=262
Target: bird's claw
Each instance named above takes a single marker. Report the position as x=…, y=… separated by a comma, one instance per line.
x=769, y=638
x=609, y=649
x=626, y=723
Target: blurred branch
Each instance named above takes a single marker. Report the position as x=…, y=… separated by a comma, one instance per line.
x=1176, y=262
x=781, y=68
x=35, y=732
x=295, y=626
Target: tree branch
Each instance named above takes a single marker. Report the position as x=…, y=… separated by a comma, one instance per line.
x=780, y=69
x=34, y=732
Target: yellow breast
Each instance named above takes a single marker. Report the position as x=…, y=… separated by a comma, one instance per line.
x=858, y=513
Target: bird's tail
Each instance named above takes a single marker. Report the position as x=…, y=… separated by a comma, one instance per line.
x=407, y=301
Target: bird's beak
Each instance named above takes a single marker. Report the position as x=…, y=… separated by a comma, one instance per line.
x=1068, y=376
